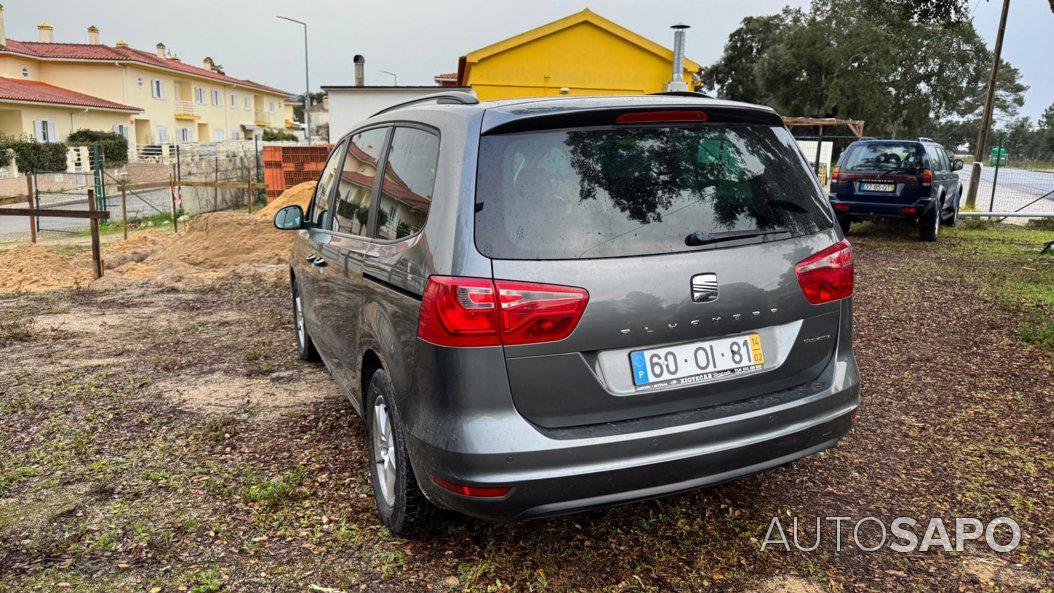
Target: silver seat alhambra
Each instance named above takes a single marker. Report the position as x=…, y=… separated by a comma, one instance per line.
x=542, y=306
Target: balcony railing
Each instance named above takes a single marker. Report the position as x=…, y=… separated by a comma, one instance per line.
x=187, y=109
x=264, y=117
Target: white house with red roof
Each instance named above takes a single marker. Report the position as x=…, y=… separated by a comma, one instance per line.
x=50, y=89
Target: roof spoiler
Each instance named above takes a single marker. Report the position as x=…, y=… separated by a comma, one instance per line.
x=447, y=98
x=682, y=94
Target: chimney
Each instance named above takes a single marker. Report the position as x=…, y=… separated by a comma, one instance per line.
x=160, y=50
x=677, y=83
x=360, y=70
x=121, y=43
x=208, y=64
x=3, y=39
x=46, y=33
x=93, y=35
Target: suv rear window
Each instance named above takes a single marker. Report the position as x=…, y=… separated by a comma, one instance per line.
x=884, y=156
x=624, y=191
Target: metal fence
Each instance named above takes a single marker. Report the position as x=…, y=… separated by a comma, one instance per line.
x=1013, y=181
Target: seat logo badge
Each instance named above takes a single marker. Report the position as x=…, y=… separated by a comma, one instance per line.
x=704, y=288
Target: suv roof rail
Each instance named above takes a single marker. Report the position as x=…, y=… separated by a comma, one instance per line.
x=447, y=98
x=925, y=139
x=682, y=94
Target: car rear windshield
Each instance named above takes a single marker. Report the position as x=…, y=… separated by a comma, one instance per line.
x=885, y=156
x=624, y=191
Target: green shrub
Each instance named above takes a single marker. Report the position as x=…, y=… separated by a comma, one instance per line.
x=278, y=136
x=36, y=156
x=113, y=145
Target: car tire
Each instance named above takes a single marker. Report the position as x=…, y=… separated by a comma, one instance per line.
x=844, y=223
x=953, y=218
x=305, y=346
x=403, y=508
x=930, y=225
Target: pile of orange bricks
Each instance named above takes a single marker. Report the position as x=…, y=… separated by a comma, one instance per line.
x=286, y=166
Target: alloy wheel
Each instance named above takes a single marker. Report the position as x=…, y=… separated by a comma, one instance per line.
x=384, y=450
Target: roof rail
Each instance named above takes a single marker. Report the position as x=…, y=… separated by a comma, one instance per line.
x=925, y=139
x=683, y=94
x=447, y=98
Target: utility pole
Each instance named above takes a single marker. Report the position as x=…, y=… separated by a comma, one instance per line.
x=989, y=104
x=986, y=115
x=307, y=81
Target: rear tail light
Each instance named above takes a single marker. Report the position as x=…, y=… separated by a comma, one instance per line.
x=648, y=117
x=834, y=174
x=909, y=210
x=841, y=207
x=476, y=491
x=480, y=312
x=926, y=177
x=827, y=275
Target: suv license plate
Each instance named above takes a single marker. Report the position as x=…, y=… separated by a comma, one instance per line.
x=697, y=362
x=888, y=187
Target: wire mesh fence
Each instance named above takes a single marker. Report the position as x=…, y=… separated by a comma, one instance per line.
x=1014, y=180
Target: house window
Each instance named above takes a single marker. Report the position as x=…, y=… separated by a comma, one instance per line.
x=162, y=134
x=157, y=89
x=25, y=71
x=185, y=135
x=236, y=135
x=44, y=130
x=270, y=106
x=122, y=129
x=199, y=95
x=248, y=103
x=139, y=82
x=234, y=99
x=215, y=97
x=218, y=136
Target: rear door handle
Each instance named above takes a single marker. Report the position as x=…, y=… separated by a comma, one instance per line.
x=311, y=258
x=318, y=261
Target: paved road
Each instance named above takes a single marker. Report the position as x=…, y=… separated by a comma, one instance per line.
x=1014, y=189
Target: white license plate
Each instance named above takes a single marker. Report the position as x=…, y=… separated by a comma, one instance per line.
x=877, y=187
x=697, y=362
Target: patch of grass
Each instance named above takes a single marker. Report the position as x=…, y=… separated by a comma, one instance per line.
x=271, y=494
x=1020, y=279
x=114, y=225
x=208, y=581
x=14, y=329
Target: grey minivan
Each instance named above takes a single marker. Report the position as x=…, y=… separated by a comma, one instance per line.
x=547, y=305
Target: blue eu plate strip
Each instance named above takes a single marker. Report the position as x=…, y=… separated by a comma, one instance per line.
x=640, y=368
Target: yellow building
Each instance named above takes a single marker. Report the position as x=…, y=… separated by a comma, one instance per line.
x=581, y=54
x=49, y=89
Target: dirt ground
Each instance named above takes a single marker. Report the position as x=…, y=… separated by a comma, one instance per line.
x=166, y=438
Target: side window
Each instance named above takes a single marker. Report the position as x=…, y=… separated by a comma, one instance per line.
x=934, y=158
x=406, y=193
x=945, y=163
x=320, y=202
x=355, y=192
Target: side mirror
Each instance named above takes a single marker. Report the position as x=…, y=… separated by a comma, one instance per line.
x=957, y=164
x=289, y=218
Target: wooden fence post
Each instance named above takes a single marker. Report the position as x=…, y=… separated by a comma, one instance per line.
x=96, y=254
x=172, y=188
x=249, y=187
x=124, y=210
x=29, y=199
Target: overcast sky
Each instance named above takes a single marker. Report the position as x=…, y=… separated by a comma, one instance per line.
x=417, y=39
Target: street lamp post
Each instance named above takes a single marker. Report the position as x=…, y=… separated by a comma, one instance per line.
x=307, y=80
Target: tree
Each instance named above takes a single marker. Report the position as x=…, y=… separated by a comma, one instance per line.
x=848, y=58
x=298, y=109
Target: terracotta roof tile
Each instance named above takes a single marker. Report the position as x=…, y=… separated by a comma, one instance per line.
x=86, y=51
x=32, y=91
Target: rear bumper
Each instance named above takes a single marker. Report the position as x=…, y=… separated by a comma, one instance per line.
x=856, y=208
x=555, y=471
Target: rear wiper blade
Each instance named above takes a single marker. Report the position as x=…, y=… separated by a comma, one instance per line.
x=704, y=238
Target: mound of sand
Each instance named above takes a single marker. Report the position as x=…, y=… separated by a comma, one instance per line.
x=222, y=240
x=298, y=194
x=213, y=246
x=31, y=268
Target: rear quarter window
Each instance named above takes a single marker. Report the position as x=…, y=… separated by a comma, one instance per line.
x=625, y=191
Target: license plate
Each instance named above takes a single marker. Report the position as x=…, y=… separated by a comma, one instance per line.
x=697, y=362
x=877, y=187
